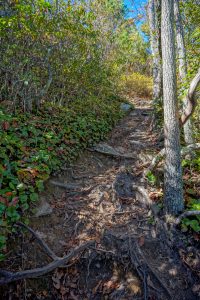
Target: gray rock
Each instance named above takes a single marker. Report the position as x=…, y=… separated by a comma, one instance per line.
x=106, y=149
x=126, y=107
x=44, y=209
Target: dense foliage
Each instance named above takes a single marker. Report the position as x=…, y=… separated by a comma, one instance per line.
x=63, y=53
x=191, y=20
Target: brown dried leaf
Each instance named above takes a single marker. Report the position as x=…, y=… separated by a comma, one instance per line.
x=141, y=241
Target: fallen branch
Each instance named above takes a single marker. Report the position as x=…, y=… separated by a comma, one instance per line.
x=7, y=277
x=186, y=214
x=158, y=158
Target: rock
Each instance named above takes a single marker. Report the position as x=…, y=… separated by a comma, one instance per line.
x=108, y=150
x=137, y=143
x=126, y=107
x=44, y=209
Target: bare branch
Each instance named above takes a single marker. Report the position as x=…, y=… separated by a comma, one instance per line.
x=190, y=99
x=187, y=214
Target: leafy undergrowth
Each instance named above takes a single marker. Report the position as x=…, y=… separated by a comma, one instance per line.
x=191, y=169
x=192, y=193
x=34, y=145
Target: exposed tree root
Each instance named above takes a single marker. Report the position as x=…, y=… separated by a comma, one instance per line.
x=42, y=244
x=7, y=276
x=143, y=267
x=142, y=191
x=138, y=260
x=68, y=186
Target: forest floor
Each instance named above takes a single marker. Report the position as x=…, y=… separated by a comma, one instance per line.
x=133, y=257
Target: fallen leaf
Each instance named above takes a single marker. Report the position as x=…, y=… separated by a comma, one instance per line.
x=141, y=241
x=5, y=125
x=134, y=285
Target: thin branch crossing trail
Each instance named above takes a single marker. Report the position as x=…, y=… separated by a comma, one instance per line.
x=104, y=197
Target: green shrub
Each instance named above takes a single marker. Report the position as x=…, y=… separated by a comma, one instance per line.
x=137, y=84
x=192, y=222
x=32, y=146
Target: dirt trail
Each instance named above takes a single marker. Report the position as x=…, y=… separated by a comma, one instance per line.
x=131, y=258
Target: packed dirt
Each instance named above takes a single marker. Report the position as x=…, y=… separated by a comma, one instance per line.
x=104, y=197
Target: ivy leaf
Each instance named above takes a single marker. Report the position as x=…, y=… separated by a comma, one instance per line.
x=12, y=213
x=34, y=197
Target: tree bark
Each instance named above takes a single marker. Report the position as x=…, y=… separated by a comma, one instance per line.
x=191, y=102
x=153, y=7
x=173, y=186
x=187, y=127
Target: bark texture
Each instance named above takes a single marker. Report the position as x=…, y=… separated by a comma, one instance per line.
x=153, y=8
x=188, y=133
x=191, y=102
x=173, y=186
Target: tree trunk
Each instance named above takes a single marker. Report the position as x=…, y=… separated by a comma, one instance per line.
x=155, y=47
x=188, y=134
x=173, y=186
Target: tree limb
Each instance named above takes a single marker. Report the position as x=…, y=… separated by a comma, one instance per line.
x=190, y=99
x=186, y=214
x=158, y=158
